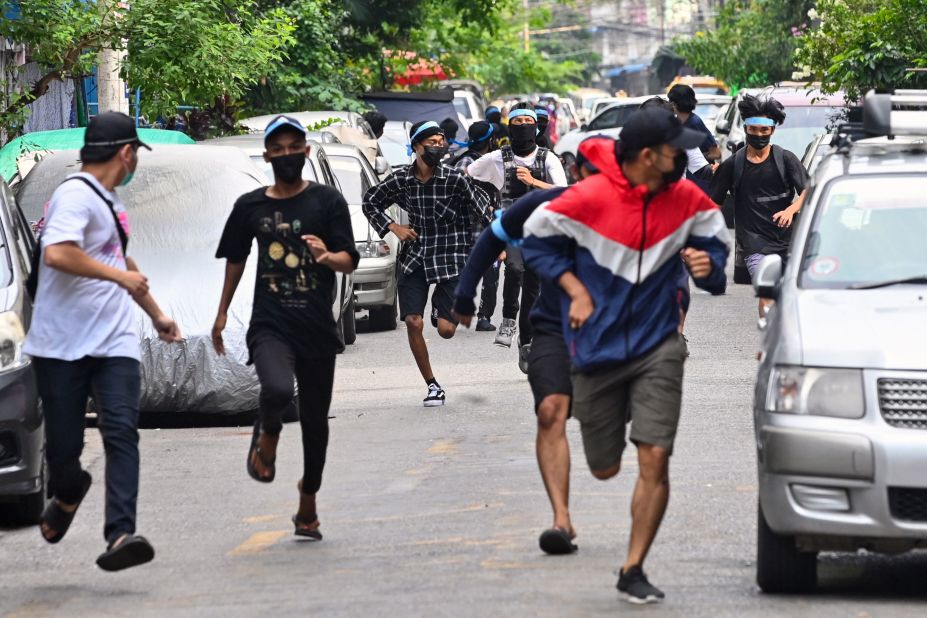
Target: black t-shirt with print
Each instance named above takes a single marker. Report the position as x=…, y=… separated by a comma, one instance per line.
x=293, y=295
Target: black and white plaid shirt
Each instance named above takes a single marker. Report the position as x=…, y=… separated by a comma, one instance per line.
x=440, y=212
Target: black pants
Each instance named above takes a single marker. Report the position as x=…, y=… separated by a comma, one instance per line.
x=115, y=384
x=511, y=286
x=276, y=366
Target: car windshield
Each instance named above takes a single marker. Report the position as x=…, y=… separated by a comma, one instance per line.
x=866, y=231
x=396, y=154
x=350, y=176
x=708, y=90
x=803, y=123
x=613, y=117
x=309, y=172
x=708, y=111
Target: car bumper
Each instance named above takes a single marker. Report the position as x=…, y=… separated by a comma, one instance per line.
x=21, y=432
x=375, y=283
x=843, y=480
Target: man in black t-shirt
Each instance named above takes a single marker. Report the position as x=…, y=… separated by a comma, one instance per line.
x=304, y=237
x=764, y=180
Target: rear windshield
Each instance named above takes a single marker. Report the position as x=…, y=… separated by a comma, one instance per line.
x=867, y=230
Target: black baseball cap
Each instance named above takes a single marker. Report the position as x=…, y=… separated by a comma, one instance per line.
x=653, y=126
x=106, y=133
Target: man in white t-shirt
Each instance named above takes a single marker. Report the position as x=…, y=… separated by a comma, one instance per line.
x=83, y=338
x=515, y=170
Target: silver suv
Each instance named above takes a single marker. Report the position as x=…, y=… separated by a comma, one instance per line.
x=840, y=406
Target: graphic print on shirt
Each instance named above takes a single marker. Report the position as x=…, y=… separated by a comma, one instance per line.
x=285, y=265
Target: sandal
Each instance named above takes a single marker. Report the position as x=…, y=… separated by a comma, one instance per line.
x=57, y=519
x=557, y=542
x=255, y=450
x=301, y=526
x=132, y=551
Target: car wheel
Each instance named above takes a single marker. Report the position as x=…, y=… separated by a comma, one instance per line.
x=349, y=324
x=780, y=566
x=384, y=318
x=568, y=161
x=29, y=508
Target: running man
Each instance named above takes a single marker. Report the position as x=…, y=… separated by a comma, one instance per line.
x=440, y=202
x=549, y=362
x=84, y=338
x=304, y=236
x=612, y=244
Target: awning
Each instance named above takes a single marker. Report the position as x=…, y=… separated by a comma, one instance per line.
x=628, y=68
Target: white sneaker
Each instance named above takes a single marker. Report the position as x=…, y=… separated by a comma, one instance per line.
x=435, y=396
x=506, y=333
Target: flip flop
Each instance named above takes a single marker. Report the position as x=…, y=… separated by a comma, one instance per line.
x=132, y=551
x=300, y=525
x=557, y=542
x=59, y=520
x=254, y=449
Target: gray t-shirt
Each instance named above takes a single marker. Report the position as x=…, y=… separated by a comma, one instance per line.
x=73, y=316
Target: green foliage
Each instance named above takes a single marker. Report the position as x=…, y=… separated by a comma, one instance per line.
x=752, y=44
x=862, y=44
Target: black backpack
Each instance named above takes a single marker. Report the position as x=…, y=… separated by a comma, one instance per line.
x=32, y=282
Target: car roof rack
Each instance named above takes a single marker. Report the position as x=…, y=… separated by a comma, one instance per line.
x=902, y=113
x=845, y=133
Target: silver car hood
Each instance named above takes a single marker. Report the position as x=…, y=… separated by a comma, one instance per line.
x=875, y=329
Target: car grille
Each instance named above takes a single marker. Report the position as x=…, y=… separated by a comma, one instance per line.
x=903, y=402
x=907, y=503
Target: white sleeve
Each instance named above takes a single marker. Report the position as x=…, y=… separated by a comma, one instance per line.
x=488, y=168
x=67, y=219
x=555, y=170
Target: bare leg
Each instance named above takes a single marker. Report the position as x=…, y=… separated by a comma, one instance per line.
x=446, y=328
x=415, y=327
x=553, y=452
x=651, y=495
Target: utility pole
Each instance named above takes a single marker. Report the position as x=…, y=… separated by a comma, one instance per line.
x=111, y=89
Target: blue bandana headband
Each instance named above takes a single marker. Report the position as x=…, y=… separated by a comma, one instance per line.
x=759, y=121
x=515, y=113
x=431, y=124
x=491, y=109
x=542, y=112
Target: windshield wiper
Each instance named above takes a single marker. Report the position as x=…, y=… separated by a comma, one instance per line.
x=890, y=282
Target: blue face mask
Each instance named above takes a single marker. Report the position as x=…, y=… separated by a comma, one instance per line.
x=127, y=179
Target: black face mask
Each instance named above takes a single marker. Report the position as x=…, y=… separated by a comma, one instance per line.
x=433, y=155
x=680, y=161
x=524, y=138
x=288, y=168
x=758, y=141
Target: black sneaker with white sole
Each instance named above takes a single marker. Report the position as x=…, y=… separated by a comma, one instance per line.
x=636, y=589
x=435, y=396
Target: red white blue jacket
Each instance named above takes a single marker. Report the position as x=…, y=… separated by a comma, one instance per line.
x=624, y=244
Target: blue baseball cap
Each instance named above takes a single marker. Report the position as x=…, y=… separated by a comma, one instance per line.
x=283, y=122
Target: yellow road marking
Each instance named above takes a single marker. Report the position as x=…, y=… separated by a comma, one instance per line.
x=258, y=542
x=443, y=447
x=259, y=519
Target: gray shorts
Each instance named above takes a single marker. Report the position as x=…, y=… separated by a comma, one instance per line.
x=647, y=392
x=753, y=263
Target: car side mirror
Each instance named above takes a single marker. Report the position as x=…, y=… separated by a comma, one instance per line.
x=584, y=127
x=733, y=146
x=768, y=275
x=382, y=165
x=722, y=127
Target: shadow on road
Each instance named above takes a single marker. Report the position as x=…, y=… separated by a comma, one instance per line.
x=874, y=577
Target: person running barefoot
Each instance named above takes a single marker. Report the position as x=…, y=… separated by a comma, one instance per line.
x=304, y=237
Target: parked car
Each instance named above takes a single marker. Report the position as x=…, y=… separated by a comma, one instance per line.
x=22, y=433
x=395, y=142
x=701, y=84
x=840, y=405
x=709, y=107
x=608, y=122
x=178, y=202
x=468, y=107
x=311, y=119
x=375, y=280
x=316, y=169
x=584, y=98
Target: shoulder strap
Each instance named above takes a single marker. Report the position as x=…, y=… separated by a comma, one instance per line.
x=779, y=160
x=122, y=233
x=508, y=156
x=740, y=159
x=540, y=162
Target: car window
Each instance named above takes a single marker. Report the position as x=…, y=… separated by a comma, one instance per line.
x=707, y=111
x=612, y=118
x=309, y=171
x=460, y=105
x=803, y=123
x=350, y=176
x=6, y=260
x=326, y=171
x=866, y=230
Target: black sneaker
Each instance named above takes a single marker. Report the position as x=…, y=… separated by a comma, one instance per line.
x=435, y=396
x=484, y=325
x=636, y=589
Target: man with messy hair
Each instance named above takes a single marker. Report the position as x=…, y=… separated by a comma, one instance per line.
x=768, y=184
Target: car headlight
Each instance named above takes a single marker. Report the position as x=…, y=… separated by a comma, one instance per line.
x=816, y=391
x=373, y=248
x=12, y=337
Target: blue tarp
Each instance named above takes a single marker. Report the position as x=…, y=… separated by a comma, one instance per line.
x=628, y=68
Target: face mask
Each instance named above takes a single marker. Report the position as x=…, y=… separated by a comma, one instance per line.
x=288, y=168
x=758, y=142
x=433, y=154
x=524, y=138
x=680, y=161
x=127, y=179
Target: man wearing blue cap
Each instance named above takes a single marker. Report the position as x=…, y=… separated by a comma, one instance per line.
x=442, y=205
x=304, y=236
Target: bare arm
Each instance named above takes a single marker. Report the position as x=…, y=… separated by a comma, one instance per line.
x=784, y=217
x=340, y=262
x=581, y=305
x=233, y=273
x=714, y=153
x=71, y=259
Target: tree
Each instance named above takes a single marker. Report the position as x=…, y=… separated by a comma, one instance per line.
x=752, y=44
x=856, y=45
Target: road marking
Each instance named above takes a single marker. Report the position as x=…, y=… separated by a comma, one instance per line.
x=258, y=542
x=443, y=447
x=260, y=519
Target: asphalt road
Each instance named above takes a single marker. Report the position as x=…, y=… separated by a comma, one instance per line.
x=436, y=511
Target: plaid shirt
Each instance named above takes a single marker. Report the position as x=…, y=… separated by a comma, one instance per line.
x=440, y=212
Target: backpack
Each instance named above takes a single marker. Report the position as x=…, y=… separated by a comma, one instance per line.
x=538, y=170
x=778, y=155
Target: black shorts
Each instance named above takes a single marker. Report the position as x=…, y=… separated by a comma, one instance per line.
x=413, y=295
x=548, y=367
